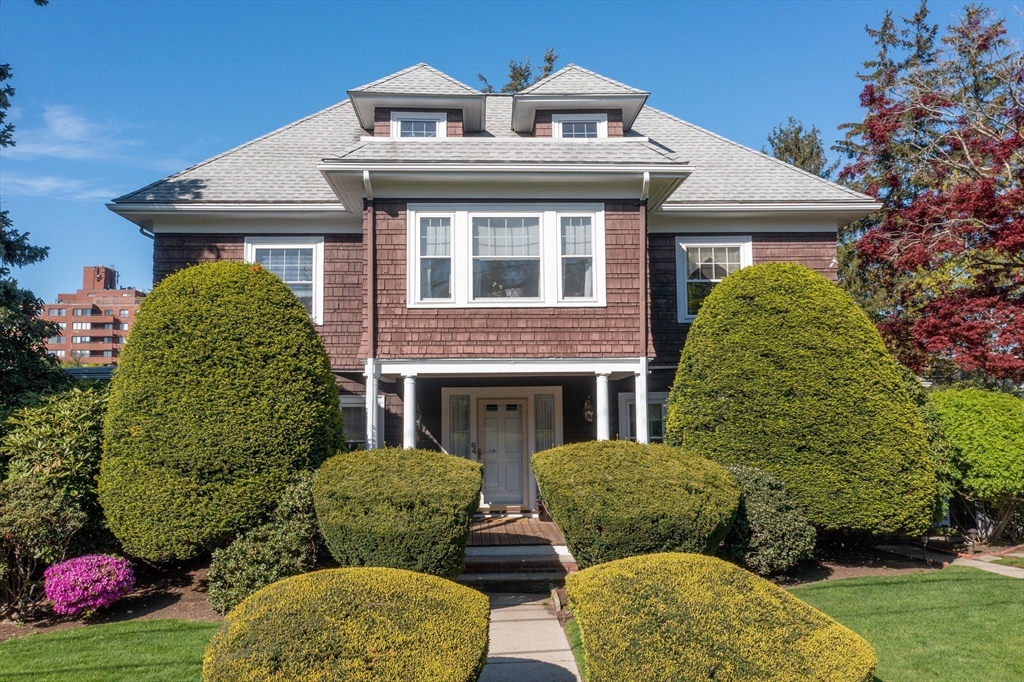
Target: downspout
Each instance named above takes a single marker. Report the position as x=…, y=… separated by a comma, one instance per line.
x=146, y=229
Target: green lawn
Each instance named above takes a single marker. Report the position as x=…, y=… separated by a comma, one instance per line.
x=947, y=626
x=134, y=651
x=1011, y=561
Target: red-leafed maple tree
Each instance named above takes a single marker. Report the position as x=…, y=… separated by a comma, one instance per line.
x=941, y=146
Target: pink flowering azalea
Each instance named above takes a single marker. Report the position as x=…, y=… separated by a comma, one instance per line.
x=87, y=583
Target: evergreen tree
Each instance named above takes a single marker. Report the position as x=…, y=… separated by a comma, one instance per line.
x=799, y=147
x=520, y=74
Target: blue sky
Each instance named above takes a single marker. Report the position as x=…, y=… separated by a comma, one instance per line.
x=114, y=95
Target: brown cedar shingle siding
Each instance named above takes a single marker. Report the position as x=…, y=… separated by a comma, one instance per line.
x=343, y=282
x=382, y=121
x=816, y=250
x=612, y=331
x=542, y=120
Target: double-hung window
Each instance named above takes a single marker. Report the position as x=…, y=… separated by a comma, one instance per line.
x=506, y=257
x=410, y=124
x=298, y=261
x=579, y=126
x=487, y=255
x=703, y=262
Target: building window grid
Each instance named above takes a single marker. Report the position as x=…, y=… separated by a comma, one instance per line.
x=703, y=262
x=435, y=257
x=579, y=129
x=506, y=257
x=577, y=256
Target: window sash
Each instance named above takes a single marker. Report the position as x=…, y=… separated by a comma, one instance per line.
x=298, y=262
x=417, y=128
x=576, y=238
x=701, y=263
x=579, y=129
x=435, y=257
x=506, y=257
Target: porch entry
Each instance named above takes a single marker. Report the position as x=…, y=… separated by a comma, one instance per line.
x=501, y=427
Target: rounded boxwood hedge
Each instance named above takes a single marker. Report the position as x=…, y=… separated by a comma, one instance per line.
x=690, y=617
x=222, y=393
x=782, y=371
x=770, y=534
x=615, y=499
x=399, y=508
x=353, y=624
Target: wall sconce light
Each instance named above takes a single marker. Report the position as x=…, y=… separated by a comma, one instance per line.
x=588, y=410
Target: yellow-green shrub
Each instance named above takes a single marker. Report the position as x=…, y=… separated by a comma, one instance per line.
x=614, y=499
x=353, y=624
x=398, y=508
x=669, y=617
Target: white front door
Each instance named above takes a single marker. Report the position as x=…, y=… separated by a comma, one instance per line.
x=503, y=436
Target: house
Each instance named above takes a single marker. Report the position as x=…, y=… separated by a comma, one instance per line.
x=496, y=274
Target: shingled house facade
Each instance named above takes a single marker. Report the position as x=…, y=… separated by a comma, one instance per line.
x=493, y=274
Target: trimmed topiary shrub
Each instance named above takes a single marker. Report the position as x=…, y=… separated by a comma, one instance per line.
x=782, y=371
x=354, y=624
x=615, y=499
x=285, y=545
x=690, y=617
x=985, y=430
x=59, y=442
x=87, y=583
x=398, y=508
x=769, y=534
x=223, y=392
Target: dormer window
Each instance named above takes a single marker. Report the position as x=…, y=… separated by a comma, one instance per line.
x=411, y=124
x=579, y=126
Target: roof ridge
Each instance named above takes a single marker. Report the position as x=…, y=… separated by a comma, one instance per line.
x=235, y=149
x=572, y=65
x=744, y=147
x=410, y=69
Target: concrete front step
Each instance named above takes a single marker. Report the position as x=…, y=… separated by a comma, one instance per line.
x=519, y=559
x=528, y=582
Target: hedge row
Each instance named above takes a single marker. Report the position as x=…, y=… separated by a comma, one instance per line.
x=408, y=509
x=354, y=624
x=614, y=499
x=223, y=392
x=689, y=617
x=782, y=371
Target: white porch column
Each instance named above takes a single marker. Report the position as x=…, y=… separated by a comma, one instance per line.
x=372, y=427
x=409, y=412
x=602, y=416
x=642, y=423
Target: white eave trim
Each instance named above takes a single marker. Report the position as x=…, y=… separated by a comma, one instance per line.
x=473, y=107
x=145, y=208
x=526, y=106
x=775, y=207
x=358, y=167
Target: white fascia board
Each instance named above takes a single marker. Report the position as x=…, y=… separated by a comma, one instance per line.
x=682, y=171
x=240, y=218
x=147, y=208
x=525, y=107
x=473, y=107
x=838, y=214
x=511, y=366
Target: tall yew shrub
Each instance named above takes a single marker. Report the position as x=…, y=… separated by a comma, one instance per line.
x=782, y=371
x=223, y=392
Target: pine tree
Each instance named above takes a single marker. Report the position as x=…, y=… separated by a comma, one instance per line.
x=520, y=74
x=791, y=143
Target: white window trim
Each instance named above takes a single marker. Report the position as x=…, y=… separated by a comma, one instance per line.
x=462, y=215
x=558, y=119
x=682, y=242
x=253, y=243
x=627, y=399
x=360, y=401
x=398, y=116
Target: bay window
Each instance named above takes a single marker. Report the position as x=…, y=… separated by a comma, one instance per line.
x=480, y=255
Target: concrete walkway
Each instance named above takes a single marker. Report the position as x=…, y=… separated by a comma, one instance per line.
x=527, y=643
x=912, y=552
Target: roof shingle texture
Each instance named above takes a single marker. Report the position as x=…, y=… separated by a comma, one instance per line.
x=281, y=167
x=575, y=80
x=420, y=79
x=505, y=150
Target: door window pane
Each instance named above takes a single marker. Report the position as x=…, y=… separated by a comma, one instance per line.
x=435, y=257
x=506, y=257
x=294, y=267
x=459, y=425
x=545, y=422
x=355, y=426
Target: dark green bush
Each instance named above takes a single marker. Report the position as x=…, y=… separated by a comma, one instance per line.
x=38, y=525
x=985, y=430
x=398, y=508
x=59, y=441
x=285, y=545
x=769, y=534
x=223, y=392
x=782, y=371
x=688, y=617
x=614, y=499
x=353, y=624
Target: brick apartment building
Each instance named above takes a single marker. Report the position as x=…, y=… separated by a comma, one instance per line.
x=94, y=321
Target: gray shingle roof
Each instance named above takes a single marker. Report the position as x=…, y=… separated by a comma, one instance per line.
x=504, y=150
x=728, y=172
x=281, y=167
x=575, y=80
x=420, y=79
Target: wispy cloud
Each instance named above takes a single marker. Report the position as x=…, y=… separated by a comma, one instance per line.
x=68, y=135
x=54, y=187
